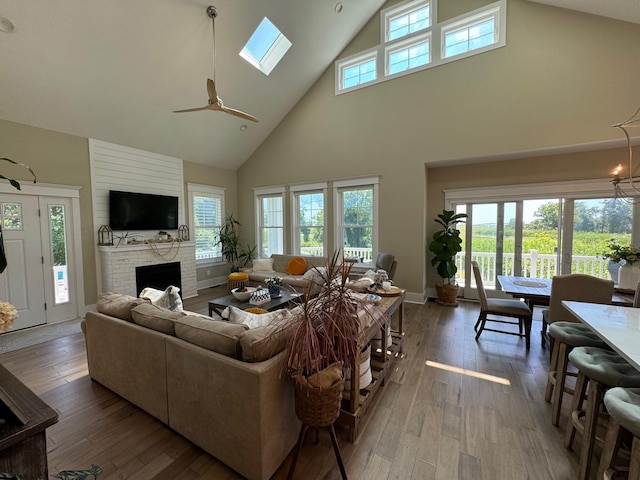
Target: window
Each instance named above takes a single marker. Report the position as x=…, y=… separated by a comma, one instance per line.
x=411, y=41
x=356, y=216
x=405, y=19
x=408, y=55
x=357, y=71
x=207, y=216
x=11, y=216
x=270, y=220
x=470, y=33
x=541, y=230
x=309, y=219
x=266, y=47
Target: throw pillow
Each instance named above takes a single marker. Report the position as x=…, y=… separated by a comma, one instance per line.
x=297, y=266
x=168, y=298
x=253, y=320
x=263, y=265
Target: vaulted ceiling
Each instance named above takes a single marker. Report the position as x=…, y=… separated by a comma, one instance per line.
x=116, y=70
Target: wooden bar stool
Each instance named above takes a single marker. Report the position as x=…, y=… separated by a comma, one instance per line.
x=623, y=405
x=602, y=369
x=566, y=336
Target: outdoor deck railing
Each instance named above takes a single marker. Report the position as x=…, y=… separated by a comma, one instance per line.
x=534, y=264
x=363, y=254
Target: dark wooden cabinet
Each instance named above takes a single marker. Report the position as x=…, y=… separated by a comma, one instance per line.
x=23, y=441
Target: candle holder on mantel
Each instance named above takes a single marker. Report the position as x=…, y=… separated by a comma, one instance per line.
x=105, y=235
x=183, y=233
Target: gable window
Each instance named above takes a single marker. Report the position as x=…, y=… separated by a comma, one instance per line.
x=470, y=33
x=356, y=204
x=411, y=40
x=357, y=71
x=207, y=216
x=270, y=220
x=407, y=18
x=266, y=47
x=309, y=219
x=408, y=55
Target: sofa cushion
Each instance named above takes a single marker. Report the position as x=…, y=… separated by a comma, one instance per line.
x=253, y=320
x=119, y=305
x=263, y=265
x=297, y=266
x=215, y=335
x=156, y=318
x=261, y=343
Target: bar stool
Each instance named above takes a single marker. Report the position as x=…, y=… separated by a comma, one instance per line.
x=623, y=405
x=602, y=369
x=566, y=336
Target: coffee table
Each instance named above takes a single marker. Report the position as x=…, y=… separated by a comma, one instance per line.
x=219, y=304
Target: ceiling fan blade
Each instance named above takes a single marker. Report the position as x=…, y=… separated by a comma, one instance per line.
x=211, y=90
x=240, y=114
x=208, y=107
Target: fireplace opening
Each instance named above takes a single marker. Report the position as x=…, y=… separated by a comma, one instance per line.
x=158, y=276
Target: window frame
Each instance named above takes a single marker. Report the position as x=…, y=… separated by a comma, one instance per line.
x=352, y=61
x=340, y=186
x=295, y=192
x=435, y=34
x=193, y=190
x=470, y=19
x=261, y=193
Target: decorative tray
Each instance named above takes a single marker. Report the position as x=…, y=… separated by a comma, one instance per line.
x=392, y=291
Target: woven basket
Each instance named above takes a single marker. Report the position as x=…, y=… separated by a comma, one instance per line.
x=318, y=407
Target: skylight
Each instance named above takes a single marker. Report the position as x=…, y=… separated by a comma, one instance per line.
x=266, y=47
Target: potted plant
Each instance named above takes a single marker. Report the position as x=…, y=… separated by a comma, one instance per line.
x=232, y=251
x=625, y=256
x=323, y=334
x=445, y=244
x=274, y=284
x=15, y=184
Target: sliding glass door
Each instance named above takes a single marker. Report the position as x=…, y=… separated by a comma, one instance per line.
x=540, y=238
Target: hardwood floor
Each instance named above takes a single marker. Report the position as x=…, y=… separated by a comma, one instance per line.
x=448, y=419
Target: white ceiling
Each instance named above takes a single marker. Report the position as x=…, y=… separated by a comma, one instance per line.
x=114, y=70
x=626, y=10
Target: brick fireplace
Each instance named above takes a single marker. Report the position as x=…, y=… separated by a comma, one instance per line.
x=118, y=265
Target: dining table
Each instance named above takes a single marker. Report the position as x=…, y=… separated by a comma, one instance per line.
x=537, y=291
x=617, y=325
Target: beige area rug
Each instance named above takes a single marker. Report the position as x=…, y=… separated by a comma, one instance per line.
x=11, y=341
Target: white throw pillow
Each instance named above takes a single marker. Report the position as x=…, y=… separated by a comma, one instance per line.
x=253, y=320
x=263, y=265
x=169, y=298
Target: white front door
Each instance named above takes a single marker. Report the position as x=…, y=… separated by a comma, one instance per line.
x=22, y=284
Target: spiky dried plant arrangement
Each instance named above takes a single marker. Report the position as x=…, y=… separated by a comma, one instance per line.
x=325, y=328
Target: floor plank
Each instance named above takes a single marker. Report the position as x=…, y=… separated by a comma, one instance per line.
x=429, y=421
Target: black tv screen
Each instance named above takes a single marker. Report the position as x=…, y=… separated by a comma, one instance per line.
x=142, y=211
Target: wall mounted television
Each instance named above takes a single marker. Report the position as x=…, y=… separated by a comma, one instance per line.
x=142, y=211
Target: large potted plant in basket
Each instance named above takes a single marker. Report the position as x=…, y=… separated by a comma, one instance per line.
x=323, y=335
x=445, y=244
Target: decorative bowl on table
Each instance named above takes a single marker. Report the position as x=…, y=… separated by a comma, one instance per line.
x=243, y=295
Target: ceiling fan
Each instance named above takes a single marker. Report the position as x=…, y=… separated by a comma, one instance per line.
x=215, y=102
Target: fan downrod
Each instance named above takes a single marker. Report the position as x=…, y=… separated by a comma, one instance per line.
x=212, y=11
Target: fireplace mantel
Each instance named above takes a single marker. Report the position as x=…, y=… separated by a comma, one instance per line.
x=119, y=264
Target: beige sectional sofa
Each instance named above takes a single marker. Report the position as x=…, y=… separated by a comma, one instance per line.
x=276, y=266
x=218, y=384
